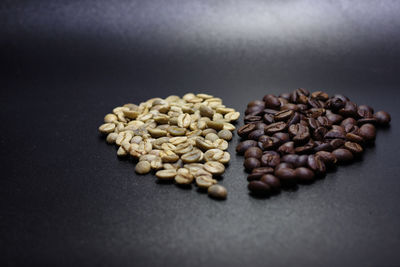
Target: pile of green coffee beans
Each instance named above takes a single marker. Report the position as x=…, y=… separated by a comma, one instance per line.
x=180, y=139
x=299, y=136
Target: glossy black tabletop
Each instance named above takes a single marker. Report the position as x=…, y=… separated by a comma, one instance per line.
x=65, y=197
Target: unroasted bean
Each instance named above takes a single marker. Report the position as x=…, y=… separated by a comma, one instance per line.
x=217, y=125
x=167, y=174
x=221, y=144
x=184, y=120
x=110, y=118
x=214, y=167
x=204, y=181
x=217, y=191
x=176, y=131
x=107, y=127
x=225, y=134
x=157, y=132
x=111, y=138
x=211, y=137
x=206, y=111
x=204, y=144
x=143, y=167
x=183, y=176
x=192, y=157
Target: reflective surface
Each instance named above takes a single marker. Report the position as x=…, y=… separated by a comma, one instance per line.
x=66, y=199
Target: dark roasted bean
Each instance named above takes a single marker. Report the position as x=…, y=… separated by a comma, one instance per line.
x=254, y=135
x=246, y=129
x=284, y=165
x=272, y=181
x=262, y=170
x=270, y=159
x=251, y=163
x=286, y=148
x=367, y=132
x=283, y=115
x=271, y=101
x=304, y=174
x=259, y=188
x=275, y=127
x=343, y=155
x=353, y=148
x=316, y=164
x=327, y=157
x=243, y=146
x=382, y=118
x=253, y=152
x=286, y=175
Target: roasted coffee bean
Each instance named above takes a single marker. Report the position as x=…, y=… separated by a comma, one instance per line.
x=251, y=163
x=365, y=111
x=283, y=137
x=275, y=127
x=268, y=118
x=367, y=132
x=286, y=175
x=308, y=133
x=382, y=118
x=284, y=165
x=294, y=119
x=304, y=174
x=243, y=146
x=254, y=135
x=262, y=170
x=252, y=119
x=270, y=159
x=327, y=157
x=353, y=148
x=343, y=155
x=259, y=188
x=316, y=164
x=354, y=138
x=286, y=148
x=245, y=130
x=271, y=101
x=253, y=152
x=272, y=181
x=283, y=115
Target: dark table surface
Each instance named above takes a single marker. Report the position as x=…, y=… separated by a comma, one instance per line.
x=66, y=199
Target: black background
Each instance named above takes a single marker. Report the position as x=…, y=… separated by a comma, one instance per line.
x=65, y=198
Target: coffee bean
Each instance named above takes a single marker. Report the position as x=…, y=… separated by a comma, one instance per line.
x=382, y=118
x=286, y=175
x=275, y=127
x=365, y=111
x=254, y=135
x=271, y=101
x=272, y=181
x=107, y=127
x=343, y=155
x=316, y=164
x=284, y=165
x=214, y=167
x=263, y=170
x=354, y=138
x=217, y=191
x=245, y=130
x=270, y=159
x=251, y=163
x=253, y=152
x=327, y=157
x=183, y=176
x=166, y=174
x=143, y=167
x=353, y=148
x=286, y=148
x=304, y=174
x=225, y=134
x=259, y=188
x=283, y=115
x=367, y=132
x=243, y=146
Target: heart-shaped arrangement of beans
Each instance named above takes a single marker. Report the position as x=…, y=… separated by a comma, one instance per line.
x=298, y=137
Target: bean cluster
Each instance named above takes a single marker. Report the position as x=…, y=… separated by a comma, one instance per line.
x=299, y=136
x=181, y=139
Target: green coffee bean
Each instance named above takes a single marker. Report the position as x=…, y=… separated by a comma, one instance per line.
x=217, y=191
x=143, y=167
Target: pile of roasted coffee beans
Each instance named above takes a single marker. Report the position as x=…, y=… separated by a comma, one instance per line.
x=184, y=140
x=299, y=136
